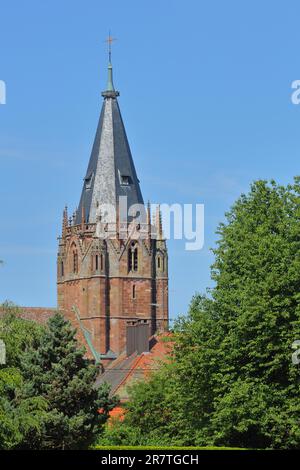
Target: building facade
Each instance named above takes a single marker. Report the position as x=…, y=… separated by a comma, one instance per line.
x=112, y=264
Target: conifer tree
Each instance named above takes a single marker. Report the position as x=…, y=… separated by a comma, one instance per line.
x=58, y=371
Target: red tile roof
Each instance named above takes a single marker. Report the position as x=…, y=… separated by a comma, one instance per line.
x=139, y=368
x=146, y=363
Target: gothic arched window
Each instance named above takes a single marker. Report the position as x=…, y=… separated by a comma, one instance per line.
x=133, y=260
x=160, y=262
x=75, y=262
x=129, y=260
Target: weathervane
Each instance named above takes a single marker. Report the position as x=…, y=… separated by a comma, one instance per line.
x=110, y=91
x=109, y=41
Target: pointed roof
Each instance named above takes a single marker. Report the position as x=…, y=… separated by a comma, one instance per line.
x=111, y=172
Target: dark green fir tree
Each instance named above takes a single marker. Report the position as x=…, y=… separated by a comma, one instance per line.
x=58, y=371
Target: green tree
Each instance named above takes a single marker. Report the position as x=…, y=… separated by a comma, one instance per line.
x=18, y=334
x=232, y=381
x=19, y=418
x=58, y=371
x=257, y=310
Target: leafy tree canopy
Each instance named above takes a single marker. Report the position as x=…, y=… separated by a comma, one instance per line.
x=232, y=381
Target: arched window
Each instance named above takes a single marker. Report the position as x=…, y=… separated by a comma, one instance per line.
x=75, y=262
x=101, y=262
x=96, y=262
x=160, y=262
x=133, y=260
x=129, y=260
x=62, y=270
x=133, y=291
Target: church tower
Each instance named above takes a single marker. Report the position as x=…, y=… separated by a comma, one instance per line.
x=112, y=265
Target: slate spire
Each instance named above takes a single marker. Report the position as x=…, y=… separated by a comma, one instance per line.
x=111, y=172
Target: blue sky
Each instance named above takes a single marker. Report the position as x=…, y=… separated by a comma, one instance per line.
x=205, y=96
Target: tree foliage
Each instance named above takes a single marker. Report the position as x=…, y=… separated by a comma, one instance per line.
x=47, y=395
x=58, y=372
x=19, y=418
x=17, y=334
x=232, y=381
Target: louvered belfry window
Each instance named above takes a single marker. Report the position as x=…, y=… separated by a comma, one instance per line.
x=75, y=262
x=133, y=261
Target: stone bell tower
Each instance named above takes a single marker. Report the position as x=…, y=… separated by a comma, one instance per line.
x=112, y=264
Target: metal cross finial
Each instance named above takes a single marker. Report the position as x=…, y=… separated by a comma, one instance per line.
x=110, y=40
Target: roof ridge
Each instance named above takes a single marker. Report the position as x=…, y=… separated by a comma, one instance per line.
x=132, y=368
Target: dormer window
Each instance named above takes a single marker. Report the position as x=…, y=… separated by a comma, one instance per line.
x=88, y=181
x=125, y=180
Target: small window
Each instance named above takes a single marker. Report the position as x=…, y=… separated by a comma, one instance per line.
x=88, y=181
x=133, y=261
x=101, y=262
x=133, y=292
x=129, y=260
x=96, y=262
x=125, y=180
x=75, y=262
x=158, y=262
x=62, y=271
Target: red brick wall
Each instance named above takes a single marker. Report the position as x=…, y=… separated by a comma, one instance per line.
x=38, y=314
x=105, y=299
